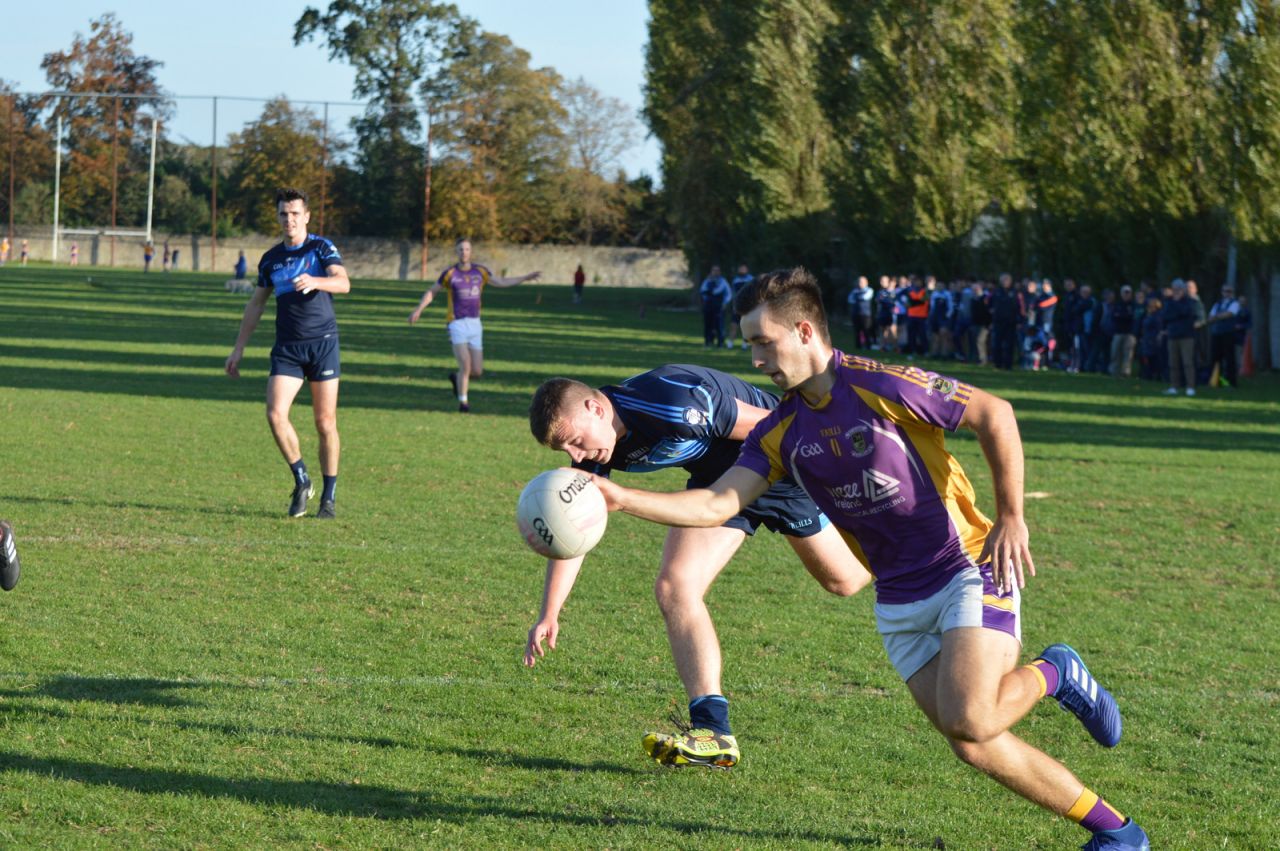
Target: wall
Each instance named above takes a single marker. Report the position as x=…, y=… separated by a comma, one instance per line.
x=367, y=257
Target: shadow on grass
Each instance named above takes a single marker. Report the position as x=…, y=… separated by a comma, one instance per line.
x=368, y=801
x=135, y=691
x=182, y=508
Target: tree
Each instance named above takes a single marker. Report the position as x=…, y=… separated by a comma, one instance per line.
x=391, y=44
x=282, y=147
x=95, y=127
x=731, y=94
x=499, y=125
x=598, y=131
x=32, y=160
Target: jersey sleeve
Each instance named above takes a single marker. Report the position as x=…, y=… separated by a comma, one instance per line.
x=762, y=450
x=327, y=254
x=682, y=406
x=263, y=279
x=443, y=280
x=909, y=395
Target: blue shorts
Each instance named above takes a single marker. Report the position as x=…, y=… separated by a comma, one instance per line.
x=784, y=508
x=314, y=360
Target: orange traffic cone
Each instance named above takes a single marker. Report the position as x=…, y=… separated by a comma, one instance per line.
x=1246, y=362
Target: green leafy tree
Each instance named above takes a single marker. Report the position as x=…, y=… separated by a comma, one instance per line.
x=282, y=147
x=499, y=126
x=392, y=45
x=731, y=94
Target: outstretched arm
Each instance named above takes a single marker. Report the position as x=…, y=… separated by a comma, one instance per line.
x=1008, y=542
x=561, y=574
x=710, y=506
x=512, y=281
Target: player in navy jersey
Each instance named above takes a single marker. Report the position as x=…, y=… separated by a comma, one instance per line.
x=464, y=283
x=302, y=272
x=866, y=441
x=693, y=418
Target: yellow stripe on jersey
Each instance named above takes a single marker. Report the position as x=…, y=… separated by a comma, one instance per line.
x=945, y=472
x=771, y=444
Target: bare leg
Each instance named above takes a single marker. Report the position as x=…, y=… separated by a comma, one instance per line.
x=972, y=693
x=830, y=561
x=281, y=391
x=691, y=560
x=324, y=405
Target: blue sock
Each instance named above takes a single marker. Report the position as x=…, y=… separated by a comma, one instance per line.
x=330, y=485
x=299, y=469
x=710, y=711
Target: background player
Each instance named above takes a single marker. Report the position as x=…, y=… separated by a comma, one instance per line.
x=694, y=418
x=303, y=272
x=465, y=282
x=866, y=442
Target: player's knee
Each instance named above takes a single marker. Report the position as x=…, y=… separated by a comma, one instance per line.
x=967, y=730
x=327, y=424
x=477, y=371
x=277, y=417
x=672, y=595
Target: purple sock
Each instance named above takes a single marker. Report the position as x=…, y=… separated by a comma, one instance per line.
x=1050, y=674
x=1102, y=817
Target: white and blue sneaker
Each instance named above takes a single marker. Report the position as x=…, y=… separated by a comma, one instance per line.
x=1083, y=696
x=10, y=569
x=1130, y=837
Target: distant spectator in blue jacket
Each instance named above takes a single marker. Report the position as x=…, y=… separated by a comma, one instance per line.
x=1222, y=335
x=1179, y=319
x=715, y=294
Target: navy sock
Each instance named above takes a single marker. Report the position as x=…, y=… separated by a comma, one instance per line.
x=299, y=469
x=330, y=485
x=710, y=711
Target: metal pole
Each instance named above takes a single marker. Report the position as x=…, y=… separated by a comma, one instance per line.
x=213, y=247
x=115, y=133
x=57, y=184
x=324, y=165
x=13, y=109
x=151, y=177
x=426, y=199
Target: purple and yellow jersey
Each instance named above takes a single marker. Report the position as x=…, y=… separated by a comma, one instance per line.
x=871, y=455
x=464, y=288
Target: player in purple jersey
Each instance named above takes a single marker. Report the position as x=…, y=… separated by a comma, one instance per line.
x=865, y=440
x=464, y=283
x=302, y=271
x=694, y=418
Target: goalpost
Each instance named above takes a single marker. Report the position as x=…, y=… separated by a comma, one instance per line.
x=59, y=231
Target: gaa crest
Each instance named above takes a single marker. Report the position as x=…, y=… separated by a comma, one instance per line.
x=859, y=438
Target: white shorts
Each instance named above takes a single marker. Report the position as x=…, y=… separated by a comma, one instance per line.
x=467, y=332
x=912, y=632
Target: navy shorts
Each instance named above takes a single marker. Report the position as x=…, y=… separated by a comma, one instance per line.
x=784, y=507
x=314, y=360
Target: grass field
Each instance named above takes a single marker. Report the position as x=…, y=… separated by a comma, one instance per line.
x=182, y=666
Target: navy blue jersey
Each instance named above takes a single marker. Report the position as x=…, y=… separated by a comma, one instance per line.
x=679, y=416
x=300, y=317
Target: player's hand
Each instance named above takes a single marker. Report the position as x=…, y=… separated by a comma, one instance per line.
x=612, y=492
x=233, y=364
x=304, y=284
x=413, y=317
x=542, y=630
x=1008, y=548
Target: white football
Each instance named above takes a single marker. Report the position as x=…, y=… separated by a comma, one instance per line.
x=561, y=513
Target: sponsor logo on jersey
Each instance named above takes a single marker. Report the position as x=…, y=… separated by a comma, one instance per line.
x=694, y=417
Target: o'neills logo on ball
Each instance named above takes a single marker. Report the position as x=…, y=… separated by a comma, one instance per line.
x=575, y=487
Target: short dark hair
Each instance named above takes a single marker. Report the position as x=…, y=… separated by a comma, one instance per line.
x=550, y=403
x=793, y=295
x=288, y=193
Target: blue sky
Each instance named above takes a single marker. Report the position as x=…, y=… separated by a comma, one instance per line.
x=245, y=48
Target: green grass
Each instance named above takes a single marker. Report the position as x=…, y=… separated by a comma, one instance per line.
x=181, y=666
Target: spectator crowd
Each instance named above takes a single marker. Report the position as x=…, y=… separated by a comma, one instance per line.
x=1164, y=335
